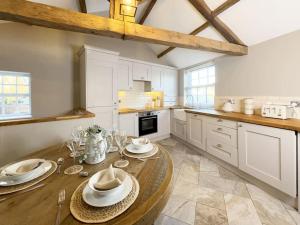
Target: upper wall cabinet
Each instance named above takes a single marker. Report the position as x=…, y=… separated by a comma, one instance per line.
x=141, y=71
x=125, y=82
x=170, y=82
x=156, y=78
x=100, y=68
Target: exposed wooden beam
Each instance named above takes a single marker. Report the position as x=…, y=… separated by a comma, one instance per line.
x=58, y=18
x=194, y=32
x=227, y=33
x=223, y=7
x=82, y=5
x=175, y=39
x=147, y=11
x=216, y=12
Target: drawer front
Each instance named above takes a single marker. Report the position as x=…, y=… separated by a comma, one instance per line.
x=222, y=122
x=222, y=151
x=222, y=134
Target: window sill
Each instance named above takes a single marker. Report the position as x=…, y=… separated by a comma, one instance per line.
x=75, y=114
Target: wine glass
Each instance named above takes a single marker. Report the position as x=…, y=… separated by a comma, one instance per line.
x=121, y=139
x=110, y=138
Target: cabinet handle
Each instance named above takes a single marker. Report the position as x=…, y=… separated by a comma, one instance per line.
x=219, y=146
x=240, y=125
x=219, y=129
x=220, y=120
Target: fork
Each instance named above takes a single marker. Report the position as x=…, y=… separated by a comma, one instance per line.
x=60, y=202
x=144, y=160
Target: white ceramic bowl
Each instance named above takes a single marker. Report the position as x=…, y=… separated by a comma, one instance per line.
x=12, y=169
x=140, y=142
x=121, y=174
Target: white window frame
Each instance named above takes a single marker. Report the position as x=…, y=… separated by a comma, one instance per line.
x=188, y=72
x=18, y=115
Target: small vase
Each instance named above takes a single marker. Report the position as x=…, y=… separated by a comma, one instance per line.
x=95, y=149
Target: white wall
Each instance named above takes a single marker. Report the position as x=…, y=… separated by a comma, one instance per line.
x=20, y=140
x=271, y=68
x=50, y=56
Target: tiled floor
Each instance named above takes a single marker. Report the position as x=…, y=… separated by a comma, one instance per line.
x=207, y=194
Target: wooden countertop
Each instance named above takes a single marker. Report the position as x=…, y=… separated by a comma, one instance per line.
x=40, y=206
x=75, y=114
x=289, y=124
x=131, y=110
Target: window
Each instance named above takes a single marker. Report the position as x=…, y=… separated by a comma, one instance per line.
x=199, y=86
x=15, y=95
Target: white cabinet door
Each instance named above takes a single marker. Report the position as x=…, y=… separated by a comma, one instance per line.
x=170, y=82
x=156, y=76
x=196, y=130
x=106, y=117
x=125, y=82
x=141, y=71
x=180, y=129
x=268, y=154
x=101, y=83
x=129, y=123
x=163, y=118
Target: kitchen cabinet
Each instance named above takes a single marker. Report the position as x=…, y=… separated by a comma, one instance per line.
x=163, y=120
x=268, y=154
x=98, y=80
x=129, y=123
x=156, y=78
x=105, y=117
x=179, y=128
x=169, y=86
x=196, y=130
x=125, y=82
x=141, y=71
x=222, y=140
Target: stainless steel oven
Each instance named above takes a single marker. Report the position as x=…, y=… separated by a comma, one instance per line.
x=147, y=123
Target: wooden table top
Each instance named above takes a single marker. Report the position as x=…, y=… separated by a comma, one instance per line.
x=39, y=207
x=289, y=124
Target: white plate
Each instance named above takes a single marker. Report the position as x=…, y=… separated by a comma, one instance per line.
x=12, y=180
x=131, y=148
x=93, y=199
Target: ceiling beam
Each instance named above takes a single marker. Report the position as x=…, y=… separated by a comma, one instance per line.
x=62, y=19
x=175, y=39
x=147, y=11
x=216, y=12
x=82, y=5
x=221, y=27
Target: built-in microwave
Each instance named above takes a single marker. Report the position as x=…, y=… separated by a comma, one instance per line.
x=147, y=123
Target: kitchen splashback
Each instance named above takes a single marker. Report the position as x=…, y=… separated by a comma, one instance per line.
x=258, y=102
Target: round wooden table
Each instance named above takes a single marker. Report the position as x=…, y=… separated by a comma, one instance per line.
x=39, y=207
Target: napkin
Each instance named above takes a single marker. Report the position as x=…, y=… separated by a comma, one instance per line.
x=27, y=168
x=108, y=180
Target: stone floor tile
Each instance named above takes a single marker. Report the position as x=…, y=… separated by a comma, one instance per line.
x=206, y=165
x=226, y=174
x=181, y=209
x=224, y=185
x=202, y=195
x=270, y=210
x=189, y=172
x=295, y=215
x=205, y=215
x=240, y=211
x=166, y=220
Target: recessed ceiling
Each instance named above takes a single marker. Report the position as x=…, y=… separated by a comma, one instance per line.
x=253, y=21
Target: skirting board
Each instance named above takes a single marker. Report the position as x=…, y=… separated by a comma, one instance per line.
x=252, y=180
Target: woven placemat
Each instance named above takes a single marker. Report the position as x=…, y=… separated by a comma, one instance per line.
x=144, y=155
x=20, y=187
x=89, y=214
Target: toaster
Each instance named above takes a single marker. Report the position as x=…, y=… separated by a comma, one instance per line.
x=276, y=111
